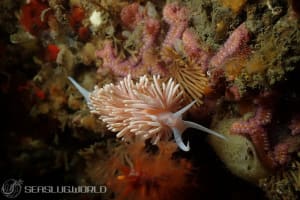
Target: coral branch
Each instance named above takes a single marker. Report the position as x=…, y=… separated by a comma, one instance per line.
x=131, y=16
x=193, y=50
x=281, y=153
x=262, y=117
x=254, y=128
x=151, y=30
x=133, y=65
x=234, y=44
x=145, y=60
x=148, y=59
x=232, y=93
x=177, y=17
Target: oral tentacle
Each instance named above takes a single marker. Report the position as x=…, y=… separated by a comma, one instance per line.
x=83, y=91
x=180, y=112
x=178, y=139
x=194, y=125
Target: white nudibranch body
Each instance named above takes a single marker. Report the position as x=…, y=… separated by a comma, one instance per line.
x=142, y=110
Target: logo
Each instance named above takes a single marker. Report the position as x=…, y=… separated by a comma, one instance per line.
x=11, y=188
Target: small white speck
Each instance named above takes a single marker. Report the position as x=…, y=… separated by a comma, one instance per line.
x=96, y=19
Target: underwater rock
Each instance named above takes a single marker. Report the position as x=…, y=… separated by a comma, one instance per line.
x=237, y=152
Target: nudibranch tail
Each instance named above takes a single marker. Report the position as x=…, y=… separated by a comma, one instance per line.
x=83, y=91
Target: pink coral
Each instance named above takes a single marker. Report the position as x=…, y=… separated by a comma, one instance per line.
x=281, y=153
x=272, y=153
x=254, y=126
x=149, y=60
x=134, y=65
x=131, y=15
x=255, y=129
x=190, y=43
x=177, y=17
x=153, y=61
x=151, y=30
x=144, y=61
x=259, y=138
x=234, y=44
x=193, y=49
x=284, y=149
x=232, y=93
x=110, y=60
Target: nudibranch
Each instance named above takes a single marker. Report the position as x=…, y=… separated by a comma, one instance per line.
x=142, y=110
